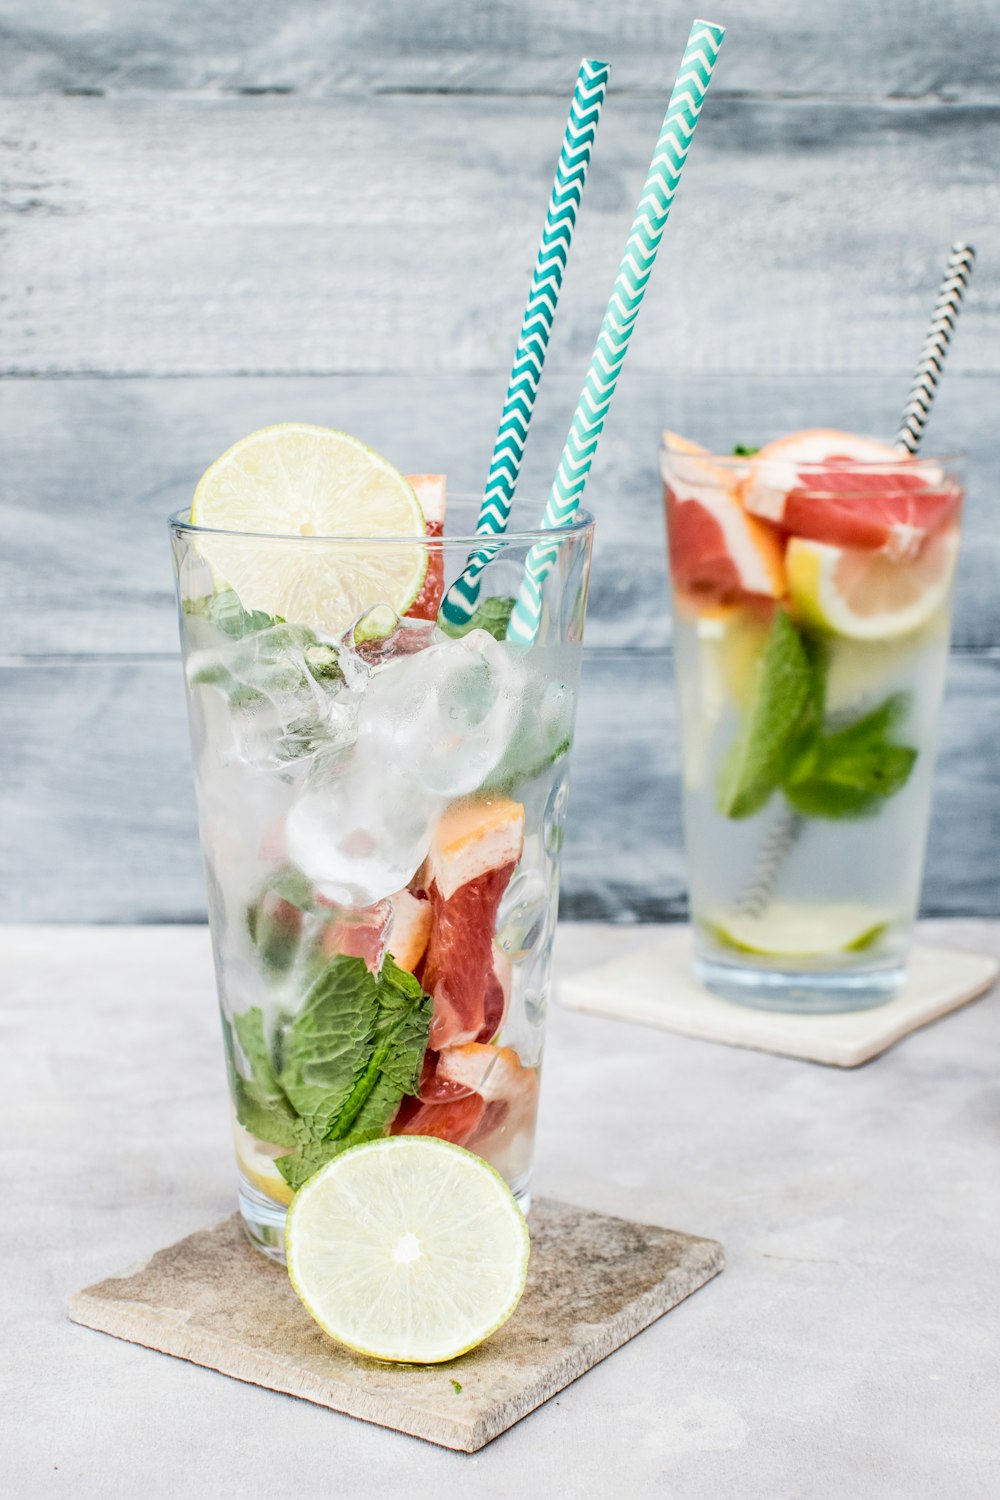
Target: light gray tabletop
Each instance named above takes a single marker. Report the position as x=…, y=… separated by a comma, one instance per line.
x=849, y=1349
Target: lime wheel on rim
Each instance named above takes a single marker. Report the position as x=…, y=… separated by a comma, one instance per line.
x=297, y=481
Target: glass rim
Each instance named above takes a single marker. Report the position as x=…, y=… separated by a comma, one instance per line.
x=581, y=524
x=864, y=465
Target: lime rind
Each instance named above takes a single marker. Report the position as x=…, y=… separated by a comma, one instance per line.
x=349, y=1264
x=863, y=940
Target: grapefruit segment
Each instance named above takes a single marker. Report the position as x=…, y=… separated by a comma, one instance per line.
x=718, y=553
x=453, y=1120
x=458, y=969
x=505, y=1131
x=359, y=932
x=850, y=491
x=476, y=845
x=411, y=929
x=431, y=491
x=474, y=836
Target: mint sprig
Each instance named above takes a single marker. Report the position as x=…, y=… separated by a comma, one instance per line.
x=781, y=711
x=848, y=774
x=333, y=1075
x=784, y=746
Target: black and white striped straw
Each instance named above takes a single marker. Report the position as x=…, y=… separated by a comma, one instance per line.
x=942, y=325
x=756, y=896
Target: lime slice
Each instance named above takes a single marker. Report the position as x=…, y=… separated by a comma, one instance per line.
x=407, y=1249
x=787, y=930
x=296, y=480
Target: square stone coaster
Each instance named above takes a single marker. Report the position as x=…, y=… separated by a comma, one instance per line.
x=656, y=985
x=593, y=1283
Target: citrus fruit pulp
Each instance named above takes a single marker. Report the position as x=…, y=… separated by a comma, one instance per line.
x=407, y=1249
x=431, y=491
x=718, y=553
x=850, y=491
x=870, y=596
x=475, y=848
x=297, y=481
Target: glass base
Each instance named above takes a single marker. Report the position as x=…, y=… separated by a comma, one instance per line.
x=815, y=994
x=264, y=1220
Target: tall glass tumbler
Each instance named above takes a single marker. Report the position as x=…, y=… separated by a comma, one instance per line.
x=381, y=808
x=811, y=631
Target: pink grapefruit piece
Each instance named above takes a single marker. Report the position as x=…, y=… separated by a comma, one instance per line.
x=432, y=493
x=454, y=1120
x=718, y=553
x=506, y=1129
x=411, y=929
x=476, y=845
x=359, y=932
x=850, y=491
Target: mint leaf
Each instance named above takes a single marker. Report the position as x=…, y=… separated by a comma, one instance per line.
x=333, y=1075
x=326, y=1048
x=349, y=1057
x=492, y=615
x=260, y=1105
x=847, y=774
x=228, y=615
x=743, y=450
x=786, y=702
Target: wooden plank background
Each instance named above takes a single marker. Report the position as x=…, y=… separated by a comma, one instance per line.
x=216, y=216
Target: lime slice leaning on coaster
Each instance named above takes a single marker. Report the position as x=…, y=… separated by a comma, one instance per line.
x=297, y=480
x=407, y=1249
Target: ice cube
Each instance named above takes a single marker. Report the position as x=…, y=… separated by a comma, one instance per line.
x=361, y=835
x=286, y=695
x=446, y=715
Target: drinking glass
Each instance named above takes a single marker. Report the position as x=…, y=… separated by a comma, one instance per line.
x=381, y=810
x=810, y=655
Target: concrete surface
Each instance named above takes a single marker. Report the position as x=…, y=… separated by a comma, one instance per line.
x=847, y=1353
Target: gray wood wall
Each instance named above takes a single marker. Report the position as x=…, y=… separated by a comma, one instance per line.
x=216, y=216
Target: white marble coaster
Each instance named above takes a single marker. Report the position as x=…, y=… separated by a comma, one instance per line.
x=656, y=985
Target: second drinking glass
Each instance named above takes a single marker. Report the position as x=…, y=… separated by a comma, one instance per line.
x=811, y=630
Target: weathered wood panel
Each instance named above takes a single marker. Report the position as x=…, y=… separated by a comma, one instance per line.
x=942, y=47
x=98, y=812
x=170, y=235
x=91, y=469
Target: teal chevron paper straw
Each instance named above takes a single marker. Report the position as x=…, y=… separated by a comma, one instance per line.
x=536, y=326
x=665, y=170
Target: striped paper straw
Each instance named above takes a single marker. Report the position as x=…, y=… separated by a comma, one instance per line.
x=536, y=326
x=665, y=170
x=942, y=326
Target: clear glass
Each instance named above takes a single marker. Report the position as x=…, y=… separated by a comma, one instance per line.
x=810, y=667
x=381, y=810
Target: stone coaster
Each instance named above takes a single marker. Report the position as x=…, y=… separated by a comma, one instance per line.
x=656, y=985
x=593, y=1283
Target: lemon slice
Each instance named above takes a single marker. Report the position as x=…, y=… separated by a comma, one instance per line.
x=407, y=1249
x=258, y=1167
x=297, y=480
x=870, y=596
x=787, y=930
